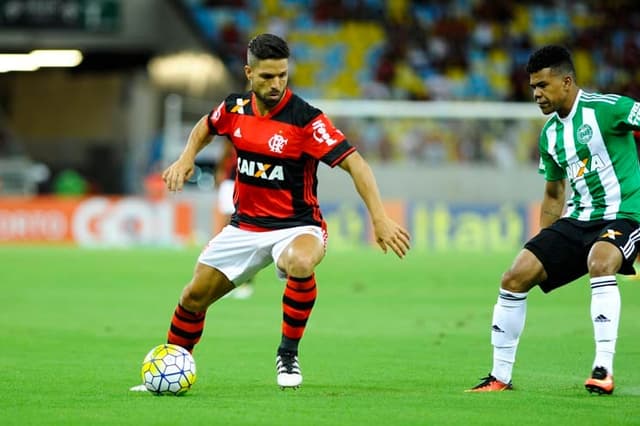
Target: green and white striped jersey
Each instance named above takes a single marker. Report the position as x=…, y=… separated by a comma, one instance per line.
x=594, y=148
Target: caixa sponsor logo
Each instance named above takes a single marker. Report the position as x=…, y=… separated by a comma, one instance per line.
x=260, y=170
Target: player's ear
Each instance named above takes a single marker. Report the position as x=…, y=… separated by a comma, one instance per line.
x=247, y=72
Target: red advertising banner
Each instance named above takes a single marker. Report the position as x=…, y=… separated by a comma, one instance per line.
x=95, y=221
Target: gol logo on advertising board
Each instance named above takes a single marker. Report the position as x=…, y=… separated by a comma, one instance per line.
x=94, y=221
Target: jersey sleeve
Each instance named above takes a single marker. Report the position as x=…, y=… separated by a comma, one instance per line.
x=218, y=120
x=626, y=114
x=326, y=143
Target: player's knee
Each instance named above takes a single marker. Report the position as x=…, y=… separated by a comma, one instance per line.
x=193, y=300
x=512, y=281
x=301, y=265
x=604, y=259
x=192, y=304
x=599, y=267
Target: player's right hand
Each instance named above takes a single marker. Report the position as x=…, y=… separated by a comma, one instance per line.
x=177, y=173
x=390, y=234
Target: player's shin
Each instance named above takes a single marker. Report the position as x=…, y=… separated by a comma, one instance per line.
x=186, y=328
x=297, y=304
x=605, y=314
x=509, y=315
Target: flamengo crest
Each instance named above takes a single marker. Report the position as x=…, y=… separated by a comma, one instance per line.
x=277, y=143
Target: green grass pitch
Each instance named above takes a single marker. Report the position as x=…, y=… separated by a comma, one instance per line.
x=390, y=342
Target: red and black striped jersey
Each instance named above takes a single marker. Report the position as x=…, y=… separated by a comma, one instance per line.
x=228, y=165
x=277, y=159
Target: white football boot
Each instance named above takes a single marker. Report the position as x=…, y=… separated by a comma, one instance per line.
x=139, y=388
x=288, y=370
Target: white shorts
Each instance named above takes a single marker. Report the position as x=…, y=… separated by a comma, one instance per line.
x=225, y=197
x=240, y=254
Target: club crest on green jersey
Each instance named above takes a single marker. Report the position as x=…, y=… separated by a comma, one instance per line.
x=584, y=134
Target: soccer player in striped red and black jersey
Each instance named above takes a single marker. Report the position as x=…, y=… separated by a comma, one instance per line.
x=279, y=139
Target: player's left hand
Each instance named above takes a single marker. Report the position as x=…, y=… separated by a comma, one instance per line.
x=177, y=173
x=389, y=234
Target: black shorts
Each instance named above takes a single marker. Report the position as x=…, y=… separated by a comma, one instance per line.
x=563, y=247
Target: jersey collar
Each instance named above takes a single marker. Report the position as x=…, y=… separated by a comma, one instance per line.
x=574, y=107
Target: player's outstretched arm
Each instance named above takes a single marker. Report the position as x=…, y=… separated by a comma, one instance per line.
x=177, y=173
x=388, y=233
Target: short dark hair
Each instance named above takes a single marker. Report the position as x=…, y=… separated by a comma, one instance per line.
x=552, y=56
x=267, y=46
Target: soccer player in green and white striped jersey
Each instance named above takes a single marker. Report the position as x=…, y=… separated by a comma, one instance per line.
x=588, y=142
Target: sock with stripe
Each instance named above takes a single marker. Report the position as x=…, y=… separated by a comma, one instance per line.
x=605, y=314
x=509, y=315
x=186, y=328
x=297, y=303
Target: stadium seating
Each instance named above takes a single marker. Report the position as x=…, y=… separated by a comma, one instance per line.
x=466, y=50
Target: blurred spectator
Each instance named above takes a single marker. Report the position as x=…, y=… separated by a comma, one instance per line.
x=374, y=142
x=383, y=77
x=233, y=45
x=278, y=26
x=70, y=183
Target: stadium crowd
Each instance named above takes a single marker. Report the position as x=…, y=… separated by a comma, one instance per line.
x=460, y=50
x=433, y=50
x=463, y=49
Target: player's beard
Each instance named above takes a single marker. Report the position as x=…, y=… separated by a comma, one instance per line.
x=269, y=102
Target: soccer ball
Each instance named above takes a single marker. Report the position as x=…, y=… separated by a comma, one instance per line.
x=168, y=370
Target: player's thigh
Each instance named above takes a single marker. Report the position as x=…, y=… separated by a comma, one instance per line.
x=524, y=273
x=237, y=253
x=562, y=254
x=615, y=248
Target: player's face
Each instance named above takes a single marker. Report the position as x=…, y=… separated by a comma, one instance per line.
x=268, y=80
x=551, y=91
